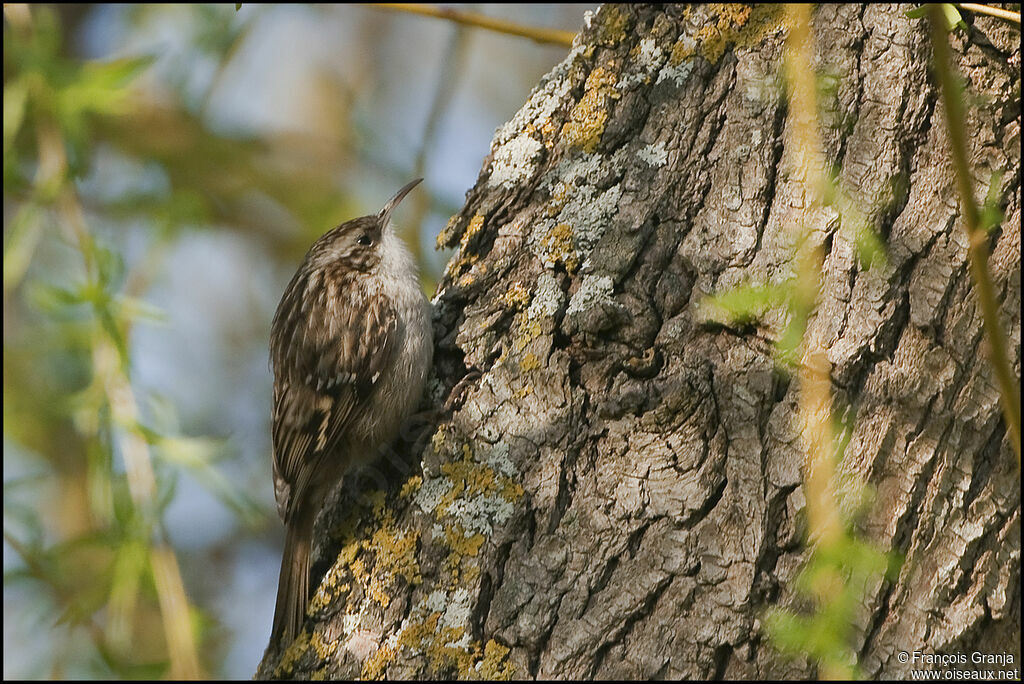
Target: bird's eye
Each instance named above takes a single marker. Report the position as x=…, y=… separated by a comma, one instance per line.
x=365, y=240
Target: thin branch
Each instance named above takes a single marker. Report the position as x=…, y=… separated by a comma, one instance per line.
x=990, y=11
x=977, y=239
x=537, y=33
x=170, y=590
x=824, y=521
x=448, y=78
x=815, y=393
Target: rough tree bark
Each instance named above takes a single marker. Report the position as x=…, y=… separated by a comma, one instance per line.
x=618, y=492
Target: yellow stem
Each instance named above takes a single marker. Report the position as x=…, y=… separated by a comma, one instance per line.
x=991, y=11
x=815, y=385
x=174, y=610
x=537, y=33
x=977, y=239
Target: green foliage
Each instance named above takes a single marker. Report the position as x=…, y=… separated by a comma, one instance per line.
x=83, y=523
x=949, y=12
x=830, y=589
x=841, y=568
x=991, y=214
x=744, y=304
x=834, y=582
x=47, y=86
x=78, y=259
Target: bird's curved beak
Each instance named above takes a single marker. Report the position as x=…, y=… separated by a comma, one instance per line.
x=385, y=213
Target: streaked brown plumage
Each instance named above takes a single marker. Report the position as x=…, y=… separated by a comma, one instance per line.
x=350, y=347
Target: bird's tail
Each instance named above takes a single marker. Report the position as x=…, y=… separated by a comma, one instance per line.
x=293, y=584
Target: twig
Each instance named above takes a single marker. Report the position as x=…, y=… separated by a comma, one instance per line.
x=990, y=11
x=815, y=394
x=825, y=526
x=448, y=79
x=977, y=239
x=537, y=33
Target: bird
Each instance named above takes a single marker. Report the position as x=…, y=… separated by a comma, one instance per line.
x=351, y=344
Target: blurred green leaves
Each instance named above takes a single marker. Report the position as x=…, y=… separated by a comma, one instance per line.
x=106, y=457
x=950, y=13
x=833, y=584
x=88, y=526
x=42, y=84
x=840, y=567
x=990, y=216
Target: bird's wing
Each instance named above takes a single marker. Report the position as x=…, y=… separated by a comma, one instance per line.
x=324, y=373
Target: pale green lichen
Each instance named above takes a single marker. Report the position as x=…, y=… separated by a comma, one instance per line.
x=581, y=212
x=438, y=625
x=677, y=71
x=497, y=457
x=581, y=222
x=467, y=500
x=442, y=636
x=477, y=513
x=350, y=622
x=592, y=291
x=542, y=103
x=515, y=161
x=556, y=246
x=442, y=645
x=647, y=59
x=431, y=493
x=470, y=497
x=654, y=155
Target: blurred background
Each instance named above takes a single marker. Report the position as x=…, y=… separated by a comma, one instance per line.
x=165, y=169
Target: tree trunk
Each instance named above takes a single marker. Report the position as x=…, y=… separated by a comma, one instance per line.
x=616, y=492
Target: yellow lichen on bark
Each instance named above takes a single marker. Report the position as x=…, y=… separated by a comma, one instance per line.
x=475, y=225
x=495, y=666
x=377, y=663
x=516, y=297
x=736, y=25
x=292, y=654
x=613, y=28
x=587, y=119
x=324, y=649
x=529, y=362
x=557, y=245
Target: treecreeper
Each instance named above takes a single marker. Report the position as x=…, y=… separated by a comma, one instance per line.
x=350, y=346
